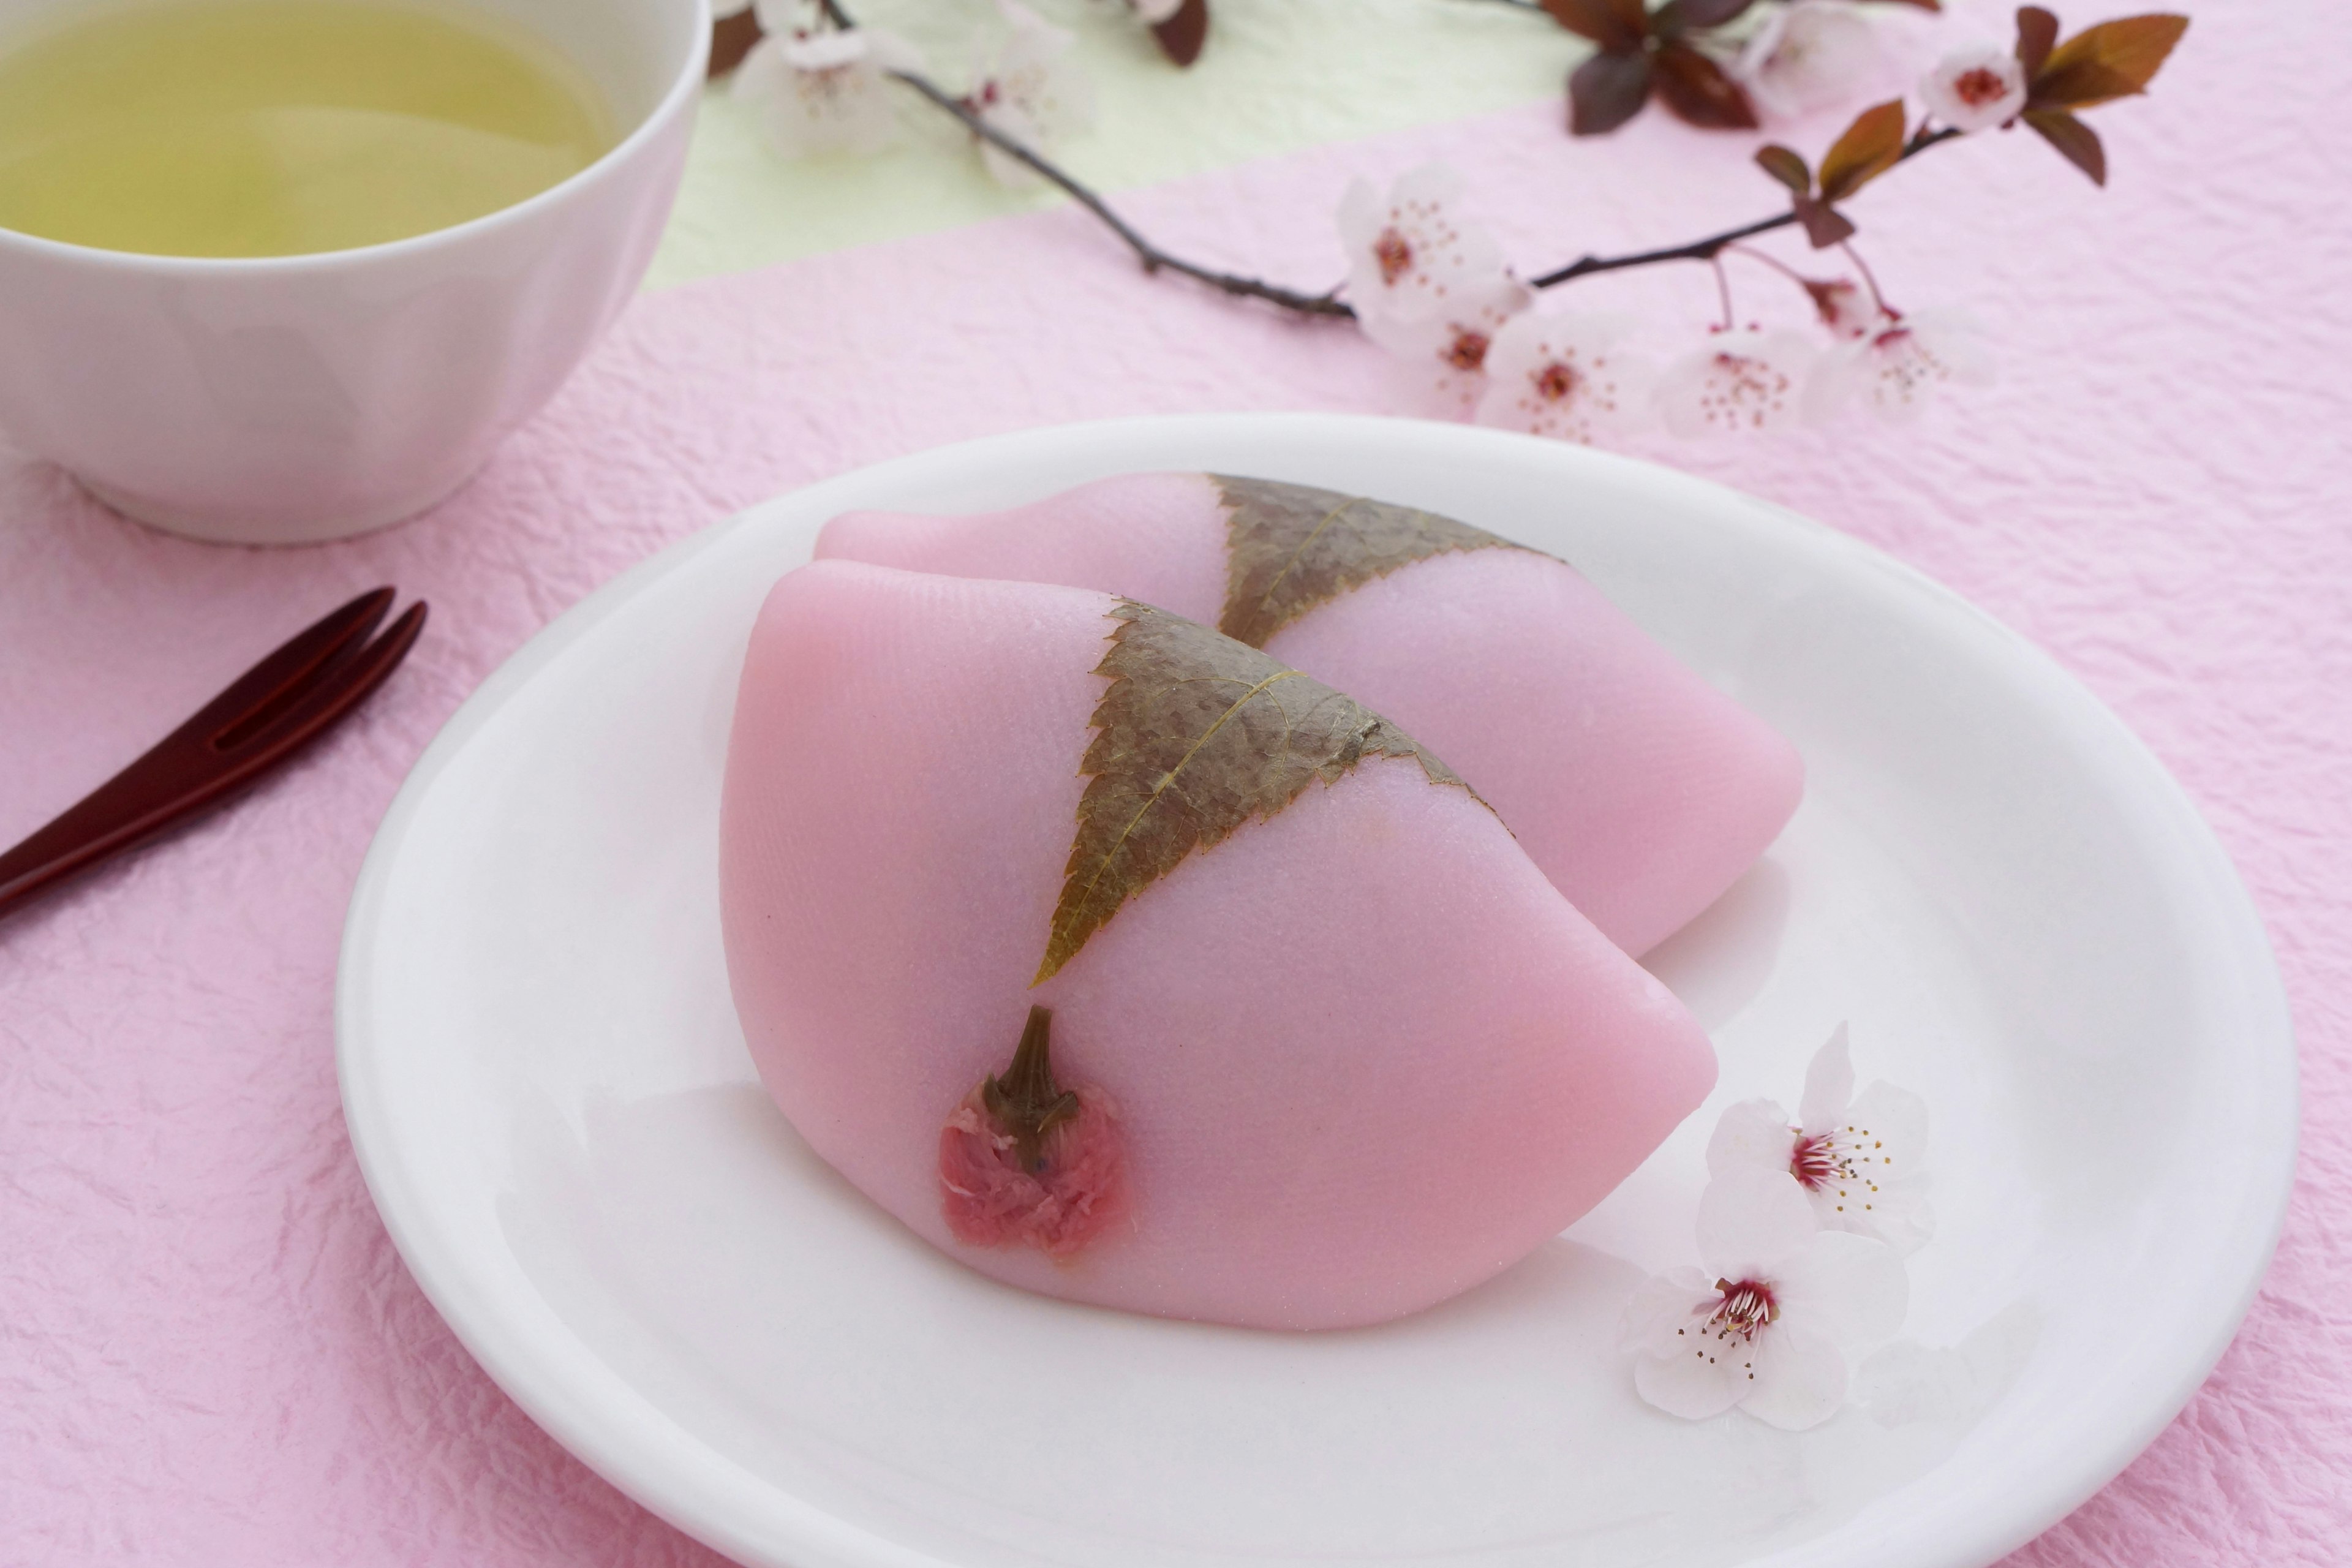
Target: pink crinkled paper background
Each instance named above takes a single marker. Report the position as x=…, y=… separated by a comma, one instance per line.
x=210, y=1352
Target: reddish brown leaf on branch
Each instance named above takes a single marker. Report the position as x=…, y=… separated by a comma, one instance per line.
x=1785, y=166
x=1822, y=224
x=1699, y=90
x=2037, y=34
x=2075, y=142
x=1607, y=90
x=1614, y=25
x=731, y=38
x=1183, y=35
x=1677, y=17
x=1870, y=147
x=2114, y=59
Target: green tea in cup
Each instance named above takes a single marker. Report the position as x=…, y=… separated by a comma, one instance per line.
x=280, y=127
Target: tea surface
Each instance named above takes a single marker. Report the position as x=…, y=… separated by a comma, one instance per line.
x=280, y=127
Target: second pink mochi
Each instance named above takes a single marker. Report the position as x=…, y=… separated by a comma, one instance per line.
x=1639, y=789
x=1362, y=1053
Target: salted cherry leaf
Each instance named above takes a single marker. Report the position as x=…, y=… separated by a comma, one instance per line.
x=1701, y=91
x=1785, y=165
x=1617, y=25
x=1289, y=548
x=2037, y=34
x=1183, y=35
x=1607, y=90
x=1822, y=224
x=1868, y=149
x=1677, y=16
x=1196, y=735
x=2114, y=59
x=2075, y=142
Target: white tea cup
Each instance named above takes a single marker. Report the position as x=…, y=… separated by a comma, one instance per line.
x=286, y=399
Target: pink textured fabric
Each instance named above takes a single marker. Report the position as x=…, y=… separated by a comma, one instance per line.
x=209, y=1352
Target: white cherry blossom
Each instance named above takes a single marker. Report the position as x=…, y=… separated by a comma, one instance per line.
x=1747, y=381
x=1032, y=90
x=1773, y=1321
x=1811, y=55
x=1451, y=348
x=1976, y=89
x=1566, y=376
x=723, y=9
x=1845, y=307
x=1897, y=366
x=824, y=91
x=1412, y=257
x=1151, y=13
x=1860, y=1161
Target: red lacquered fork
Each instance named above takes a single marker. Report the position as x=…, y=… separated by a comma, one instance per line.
x=270, y=713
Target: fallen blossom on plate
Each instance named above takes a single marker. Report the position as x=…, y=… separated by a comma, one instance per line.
x=824, y=91
x=1411, y=256
x=1976, y=89
x=1860, y=1160
x=1450, y=349
x=1773, y=1322
x=1745, y=381
x=1562, y=375
x=1897, y=366
x=1032, y=90
x=1811, y=55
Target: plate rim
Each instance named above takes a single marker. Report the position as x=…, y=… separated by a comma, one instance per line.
x=713, y=1499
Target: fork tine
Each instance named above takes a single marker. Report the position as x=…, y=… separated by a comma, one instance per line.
x=287, y=671
x=334, y=692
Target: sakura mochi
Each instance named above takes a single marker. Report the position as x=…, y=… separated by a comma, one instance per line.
x=1123, y=964
x=1639, y=789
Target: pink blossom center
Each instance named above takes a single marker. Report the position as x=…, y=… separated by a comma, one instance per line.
x=1468, y=352
x=1746, y=1308
x=1816, y=1163
x=1980, y=86
x=1075, y=1191
x=1557, y=382
x=1395, y=253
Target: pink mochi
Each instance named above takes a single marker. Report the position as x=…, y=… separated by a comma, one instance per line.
x=1361, y=1055
x=1638, y=788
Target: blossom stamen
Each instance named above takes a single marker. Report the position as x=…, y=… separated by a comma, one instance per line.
x=1746, y=1308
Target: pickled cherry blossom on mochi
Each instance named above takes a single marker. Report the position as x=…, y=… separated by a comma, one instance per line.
x=1641, y=791
x=1412, y=255
x=1345, y=1058
x=1745, y=381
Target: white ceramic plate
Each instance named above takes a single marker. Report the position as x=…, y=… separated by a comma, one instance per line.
x=2019, y=912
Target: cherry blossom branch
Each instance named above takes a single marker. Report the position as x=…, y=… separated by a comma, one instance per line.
x=1154, y=259
x=1326, y=303
x=1707, y=249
